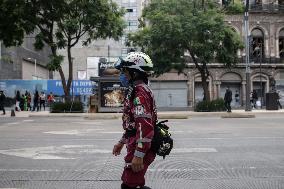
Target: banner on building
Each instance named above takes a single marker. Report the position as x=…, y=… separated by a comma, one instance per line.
x=79, y=87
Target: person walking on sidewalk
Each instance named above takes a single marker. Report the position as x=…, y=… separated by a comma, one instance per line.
x=139, y=118
x=18, y=100
x=42, y=101
x=228, y=99
x=254, y=98
x=2, y=101
x=36, y=99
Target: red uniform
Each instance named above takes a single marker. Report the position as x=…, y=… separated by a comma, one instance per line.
x=139, y=118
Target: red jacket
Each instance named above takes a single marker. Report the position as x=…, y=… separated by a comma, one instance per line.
x=140, y=116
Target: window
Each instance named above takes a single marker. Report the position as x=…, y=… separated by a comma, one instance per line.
x=257, y=45
x=131, y=12
x=132, y=23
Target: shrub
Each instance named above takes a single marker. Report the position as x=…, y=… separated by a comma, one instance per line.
x=60, y=107
x=210, y=106
x=9, y=102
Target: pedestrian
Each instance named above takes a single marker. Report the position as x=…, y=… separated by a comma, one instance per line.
x=50, y=99
x=25, y=97
x=18, y=100
x=139, y=118
x=228, y=99
x=254, y=98
x=278, y=99
x=22, y=102
x=36, y=99
x=237, y=98
x=2, y=102
x=29, y=100
x=42, y=101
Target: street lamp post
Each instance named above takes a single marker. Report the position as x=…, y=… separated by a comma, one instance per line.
x=35, y=73
x=248, y=87
x=261, y=89
x=258, y=50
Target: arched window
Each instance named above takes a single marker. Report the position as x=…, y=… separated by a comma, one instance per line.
x=257, y=46
x=281, y=43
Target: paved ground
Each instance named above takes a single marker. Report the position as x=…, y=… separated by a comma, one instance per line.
x=210, y=152
x=161, y=114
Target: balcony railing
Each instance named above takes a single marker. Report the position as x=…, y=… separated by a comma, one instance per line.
x=271, y=60
x=271, y=8
x=253, y=61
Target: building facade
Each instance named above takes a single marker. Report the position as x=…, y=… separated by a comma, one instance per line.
x=266, y=30
x=24, y=62
x=183, y=91
x=86, y=58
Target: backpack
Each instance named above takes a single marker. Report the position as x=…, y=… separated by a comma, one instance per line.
x=162, y=143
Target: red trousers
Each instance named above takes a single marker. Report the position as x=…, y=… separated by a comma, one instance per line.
x=134, y=179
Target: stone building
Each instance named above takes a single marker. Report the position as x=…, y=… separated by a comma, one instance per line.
x=266, y=28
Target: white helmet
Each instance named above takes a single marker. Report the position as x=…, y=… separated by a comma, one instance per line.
x=137, y=61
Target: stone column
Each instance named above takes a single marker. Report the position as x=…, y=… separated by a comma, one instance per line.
x=272, y=41
x=214, y=90
x=218, y=83
x=277, y=45
x=190, y=91
x=243, y=93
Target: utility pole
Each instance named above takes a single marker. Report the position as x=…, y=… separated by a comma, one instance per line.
x=248, y=87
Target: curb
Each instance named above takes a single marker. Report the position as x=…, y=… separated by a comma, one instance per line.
x=173, y=116
x=57, y=115
x=238, y=115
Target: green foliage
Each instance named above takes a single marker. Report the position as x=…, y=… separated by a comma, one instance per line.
x=9, y=101
x=55, y=62
x=177, y=26
x=12, y=26
x=60, y=24
x=60, y=107
x=217, y=105
x=236, y=7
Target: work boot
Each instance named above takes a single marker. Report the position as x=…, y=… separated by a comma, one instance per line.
x=145, y=187
x=124, y=186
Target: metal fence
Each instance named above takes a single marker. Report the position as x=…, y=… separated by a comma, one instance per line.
x=271, y=7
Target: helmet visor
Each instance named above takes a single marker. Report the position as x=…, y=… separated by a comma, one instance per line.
x=118, y=63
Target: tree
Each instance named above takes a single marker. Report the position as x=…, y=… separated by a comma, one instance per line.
x=62, y=24
x=179, y=26
x=12, y=26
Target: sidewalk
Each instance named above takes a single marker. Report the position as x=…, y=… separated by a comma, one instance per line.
x=161, y=114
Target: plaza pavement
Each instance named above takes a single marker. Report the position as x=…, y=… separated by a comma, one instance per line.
x=239, y=113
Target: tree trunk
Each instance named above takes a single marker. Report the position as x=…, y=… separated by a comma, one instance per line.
x=63, y=80
x=205, y=86
x=70, y=77
x=204, y=75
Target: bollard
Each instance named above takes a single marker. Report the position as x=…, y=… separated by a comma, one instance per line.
x=13, y=113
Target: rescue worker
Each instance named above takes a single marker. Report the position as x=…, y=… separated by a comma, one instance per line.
x=139, y=118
